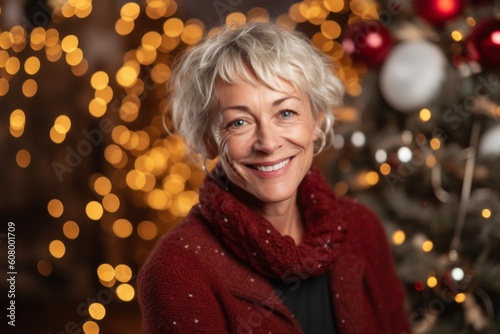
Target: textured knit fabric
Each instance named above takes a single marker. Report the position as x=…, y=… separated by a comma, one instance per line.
x=210, y=274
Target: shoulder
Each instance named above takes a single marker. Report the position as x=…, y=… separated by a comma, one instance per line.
x=361, y=219
x=366, y=233
x=178, y=248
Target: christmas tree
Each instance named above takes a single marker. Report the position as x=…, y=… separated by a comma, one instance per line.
x=422, y=149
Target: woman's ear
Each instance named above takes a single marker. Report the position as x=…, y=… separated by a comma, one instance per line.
x=319, y=118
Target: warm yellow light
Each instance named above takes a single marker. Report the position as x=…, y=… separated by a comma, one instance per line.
x=99, y=80
x=38, y=36
x=113, y=154
x=385, y=168
x=147, y=230
x=71, y=230
x=97, y=107
x=106, y=94
x=111, y=203
x=151, y=40
x=156, y=9
x=123, y=27
x=174, y=184
x=23, y=158
x=83, y=10
x=146, y=56
x=427, y=246
x=90, y=327
x=330, y=29
x=32, y=65
x=435, y=144
x=123, y=273
x=130, y=11
x=398, y=237
x=236, y=19
x=456, y=35
x=334, y=6
x=51, y=37
x=17, y=119
x=135, y=179
x=460, y=298
x=126, y=76
x=102, y=186
x=122, y=228
x=97, y=311
x=54, y=53
x=106, y=272
x=486, y=213
x=168, y=43
x=125, y=292
x=4, y=86
x=29, y=88
x=12, y=65
x=159, y=199
x=432, y=282
x=193, y=32
x=6, y=40
x=69, y=43
x=425, y=115
x=372, y=178
x=57, y=249
x=185, y=202
x=258, y=14
x=62, y=124
x=430, y=161
x=94, y=210
x=4, y=56
x=74, y=57
x=56, y=136
x=173, y=27
x=55, y=208
x=144, y=163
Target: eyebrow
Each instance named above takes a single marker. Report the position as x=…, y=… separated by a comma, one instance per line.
x=274, y=104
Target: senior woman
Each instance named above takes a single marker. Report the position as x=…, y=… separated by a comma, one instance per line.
x=269, y=248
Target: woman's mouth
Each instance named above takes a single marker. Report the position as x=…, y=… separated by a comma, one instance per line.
x=271, y=168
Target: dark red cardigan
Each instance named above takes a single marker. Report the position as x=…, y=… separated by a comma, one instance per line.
x=209, y=275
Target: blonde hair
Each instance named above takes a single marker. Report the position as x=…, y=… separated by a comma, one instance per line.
x=271, y=53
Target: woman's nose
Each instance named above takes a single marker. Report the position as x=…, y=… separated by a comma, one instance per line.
x=268, y=139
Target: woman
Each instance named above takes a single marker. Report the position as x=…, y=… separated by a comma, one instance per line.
x=269, y=248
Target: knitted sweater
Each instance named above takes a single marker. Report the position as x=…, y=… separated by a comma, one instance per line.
x=210, y=274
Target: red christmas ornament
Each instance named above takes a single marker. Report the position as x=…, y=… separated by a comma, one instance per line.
x=368, y=42
x=437, y=12
x=483, y=44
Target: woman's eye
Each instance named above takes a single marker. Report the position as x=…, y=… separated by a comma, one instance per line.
x=286, y=113
x=238, y=123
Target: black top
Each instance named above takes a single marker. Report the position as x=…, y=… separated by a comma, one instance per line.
x=309, y=301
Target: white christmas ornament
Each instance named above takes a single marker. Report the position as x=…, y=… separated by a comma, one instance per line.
x=412, y=75
x=490, y=142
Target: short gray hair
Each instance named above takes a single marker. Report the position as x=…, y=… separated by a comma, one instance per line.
x=271, y=53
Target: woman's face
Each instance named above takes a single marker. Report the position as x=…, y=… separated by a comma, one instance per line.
x=265, y=138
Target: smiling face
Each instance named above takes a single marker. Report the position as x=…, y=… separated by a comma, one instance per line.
x=265, y=139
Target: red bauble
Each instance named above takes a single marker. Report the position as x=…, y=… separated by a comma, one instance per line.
x=368, y=42
x=483, y=44
x=437, y=12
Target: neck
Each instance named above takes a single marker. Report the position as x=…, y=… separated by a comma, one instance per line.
x=284, y=216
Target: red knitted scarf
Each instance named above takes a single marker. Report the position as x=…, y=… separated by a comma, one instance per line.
x=256, y=242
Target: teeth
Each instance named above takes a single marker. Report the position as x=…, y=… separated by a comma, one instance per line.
x=279, y=165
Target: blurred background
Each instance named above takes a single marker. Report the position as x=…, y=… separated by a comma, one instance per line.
x=91, y=179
